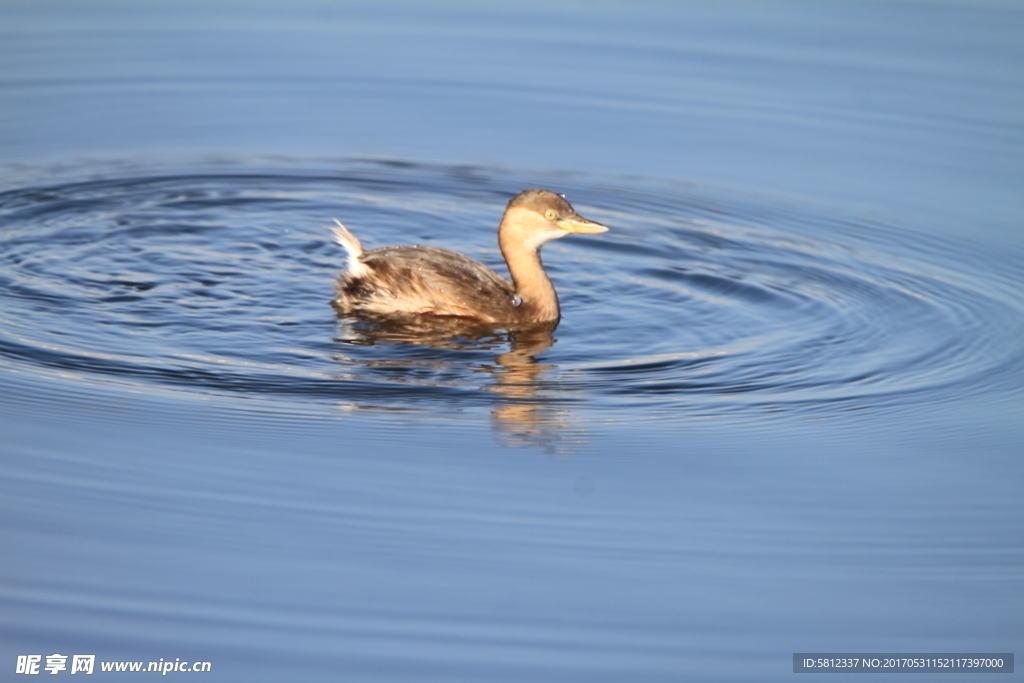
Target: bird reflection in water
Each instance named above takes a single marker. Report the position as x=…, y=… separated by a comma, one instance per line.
x=527, y=407
x=527, y=417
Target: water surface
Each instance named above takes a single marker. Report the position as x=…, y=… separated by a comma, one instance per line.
x=781, y=412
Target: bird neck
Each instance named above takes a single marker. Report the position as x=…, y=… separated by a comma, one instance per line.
x=540, y=302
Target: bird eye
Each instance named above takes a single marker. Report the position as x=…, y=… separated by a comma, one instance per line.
x=551, y=214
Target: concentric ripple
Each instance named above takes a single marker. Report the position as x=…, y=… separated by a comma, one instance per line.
x=219, y=281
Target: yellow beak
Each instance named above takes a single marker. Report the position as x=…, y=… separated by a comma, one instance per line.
x=580, y=225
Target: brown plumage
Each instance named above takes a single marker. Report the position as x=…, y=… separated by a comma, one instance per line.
x=414, y=280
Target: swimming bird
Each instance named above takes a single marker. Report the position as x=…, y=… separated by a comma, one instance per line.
x=426, y=281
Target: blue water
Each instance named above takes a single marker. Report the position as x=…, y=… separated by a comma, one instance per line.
x=781, y=413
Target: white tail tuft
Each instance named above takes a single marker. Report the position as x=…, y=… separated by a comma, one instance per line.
x=346, y=239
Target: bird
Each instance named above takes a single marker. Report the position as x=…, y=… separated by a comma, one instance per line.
x=419, y=281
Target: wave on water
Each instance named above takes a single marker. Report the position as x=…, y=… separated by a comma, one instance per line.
x=217, y=279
